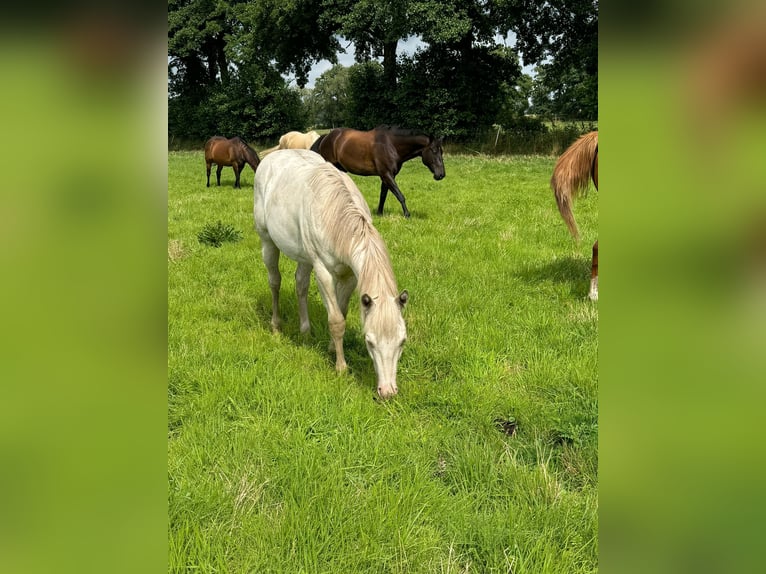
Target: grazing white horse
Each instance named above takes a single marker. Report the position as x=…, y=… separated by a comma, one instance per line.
x=294, y=140
x=313, y=213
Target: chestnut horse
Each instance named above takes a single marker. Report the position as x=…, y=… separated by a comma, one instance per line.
x=573, y=172
x=315, y=215
x=234, y=152
x=381, y=151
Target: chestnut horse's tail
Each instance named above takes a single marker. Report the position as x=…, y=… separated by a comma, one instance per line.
x=572, y=175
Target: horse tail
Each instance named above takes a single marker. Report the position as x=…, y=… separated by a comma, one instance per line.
x=268, y=151
x=572, y=175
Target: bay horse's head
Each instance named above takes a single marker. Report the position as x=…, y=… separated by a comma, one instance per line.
x=384, y=335
x=248, y=154
x=432, y=158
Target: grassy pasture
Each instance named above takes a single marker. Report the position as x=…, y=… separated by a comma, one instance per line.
x=278, y=464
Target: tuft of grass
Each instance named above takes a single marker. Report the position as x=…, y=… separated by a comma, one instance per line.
x=486, y=461
x=216, y=234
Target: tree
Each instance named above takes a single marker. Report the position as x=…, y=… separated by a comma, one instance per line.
x=218, y=83
x=561, y=37
x=330, y=97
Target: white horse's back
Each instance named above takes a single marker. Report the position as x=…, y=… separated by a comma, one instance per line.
x=290, y=204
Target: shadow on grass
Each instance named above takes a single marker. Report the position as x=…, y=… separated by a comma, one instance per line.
x=358, y=360
x=573, y=271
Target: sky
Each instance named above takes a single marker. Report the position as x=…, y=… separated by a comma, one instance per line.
x=407, y=47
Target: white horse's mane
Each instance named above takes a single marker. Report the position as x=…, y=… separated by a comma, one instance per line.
x=347, y=217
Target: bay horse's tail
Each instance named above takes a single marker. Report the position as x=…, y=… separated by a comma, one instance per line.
x=572, y=175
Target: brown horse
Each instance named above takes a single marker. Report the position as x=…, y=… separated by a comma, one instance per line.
x=234, y=152
x=574, y=170
x=381, y=151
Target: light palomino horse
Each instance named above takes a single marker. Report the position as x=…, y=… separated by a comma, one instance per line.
x=294, y=140
x=313, y=213
x=572, y=175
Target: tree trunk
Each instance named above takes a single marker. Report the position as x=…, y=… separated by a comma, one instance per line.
x=389, y=62
x=223, y=64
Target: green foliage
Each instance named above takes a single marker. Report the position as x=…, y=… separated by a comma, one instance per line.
x=255, y=104
x=330, y=98
x=215, y=234
x=454, y=96
x=278, y=464
x=368, y=96
x=226, y=59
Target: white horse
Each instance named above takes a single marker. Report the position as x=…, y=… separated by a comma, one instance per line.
x=294, y=140
x=315, y=214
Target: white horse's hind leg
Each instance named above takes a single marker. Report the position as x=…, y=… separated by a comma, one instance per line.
x=302, y=281
x=271, y=259
x=335, y=319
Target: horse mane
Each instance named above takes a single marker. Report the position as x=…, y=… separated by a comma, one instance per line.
x=250, y=153
x=400, y=131
x=572, y=175
x=346, y=216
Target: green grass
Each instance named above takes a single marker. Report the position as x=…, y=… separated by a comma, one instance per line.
x=278, y=464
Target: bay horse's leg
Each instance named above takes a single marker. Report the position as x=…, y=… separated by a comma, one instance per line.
x=383, y=194
x=209, y=164
x=335, y=319
x=593, y=294
x=235, y=166
x=302, y=281
x=218, y=174
x=388, y=181
x=270, y=254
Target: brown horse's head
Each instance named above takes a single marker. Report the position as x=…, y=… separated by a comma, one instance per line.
x=432, y=158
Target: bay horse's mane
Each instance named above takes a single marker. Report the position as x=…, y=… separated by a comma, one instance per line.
x=352, y=232
x=399, y=131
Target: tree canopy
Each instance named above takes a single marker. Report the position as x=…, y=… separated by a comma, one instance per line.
x=228, y=61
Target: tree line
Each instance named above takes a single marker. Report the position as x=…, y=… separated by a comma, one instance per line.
x=228, y=59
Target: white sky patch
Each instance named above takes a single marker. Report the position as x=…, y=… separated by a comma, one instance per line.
x=404, y=47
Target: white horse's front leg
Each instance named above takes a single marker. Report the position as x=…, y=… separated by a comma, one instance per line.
x=335, y=319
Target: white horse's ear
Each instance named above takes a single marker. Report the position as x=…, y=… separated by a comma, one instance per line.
x=366, y=302
x=403, y=298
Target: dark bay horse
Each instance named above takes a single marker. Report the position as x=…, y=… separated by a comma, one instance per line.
x=572, y=175
x=381, y=151
x=234, y=152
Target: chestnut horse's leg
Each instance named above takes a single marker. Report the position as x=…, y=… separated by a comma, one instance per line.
x=218, y=174
x=389, y=183
x=209, y=164
x=593, y=294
